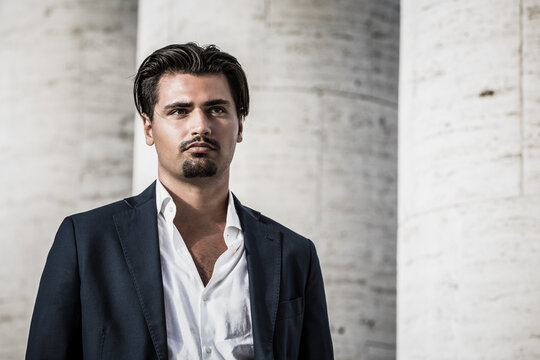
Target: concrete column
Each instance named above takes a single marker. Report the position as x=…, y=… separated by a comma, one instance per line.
x=67, y=120
x=319, y=151
x=469, y=189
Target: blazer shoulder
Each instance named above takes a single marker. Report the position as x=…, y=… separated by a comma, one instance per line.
x=286, y=231
x=109, y=210
x=101, y=212
x=289, y=236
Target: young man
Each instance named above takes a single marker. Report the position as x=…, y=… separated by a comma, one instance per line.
x=183, y=270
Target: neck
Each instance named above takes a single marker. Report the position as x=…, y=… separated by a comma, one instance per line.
x=199, y=198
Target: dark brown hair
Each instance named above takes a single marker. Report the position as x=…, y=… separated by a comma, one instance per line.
x=188, y=58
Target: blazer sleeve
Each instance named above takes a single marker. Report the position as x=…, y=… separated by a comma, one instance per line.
x=55, y=330
x=316, y=342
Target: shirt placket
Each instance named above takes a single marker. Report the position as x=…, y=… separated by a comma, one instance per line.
x=206, y=333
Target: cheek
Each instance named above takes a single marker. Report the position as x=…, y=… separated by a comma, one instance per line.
x=233, y=139
x=236, y=133
x=166, y=143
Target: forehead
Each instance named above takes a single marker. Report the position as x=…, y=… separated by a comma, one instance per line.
x=192, y=88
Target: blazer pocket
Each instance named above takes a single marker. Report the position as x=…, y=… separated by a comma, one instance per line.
x=290, y=308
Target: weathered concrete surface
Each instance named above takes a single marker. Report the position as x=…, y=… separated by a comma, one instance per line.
x=530, y=68
x=65, y=94
x=469, y=186
x=319, y=151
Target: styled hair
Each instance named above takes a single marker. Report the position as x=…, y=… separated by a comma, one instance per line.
x=193, y=59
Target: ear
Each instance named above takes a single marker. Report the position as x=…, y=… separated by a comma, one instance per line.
x=240, y=129
x=147, y=123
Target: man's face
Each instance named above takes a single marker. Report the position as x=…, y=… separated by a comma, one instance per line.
x=195, y=127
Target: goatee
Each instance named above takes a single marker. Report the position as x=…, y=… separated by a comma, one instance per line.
x=199, y=168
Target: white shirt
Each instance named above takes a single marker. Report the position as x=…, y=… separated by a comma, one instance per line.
x=212, y=322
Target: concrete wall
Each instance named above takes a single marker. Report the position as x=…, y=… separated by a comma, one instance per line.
x=320, y=145
x=67, y=120
x=469, y=189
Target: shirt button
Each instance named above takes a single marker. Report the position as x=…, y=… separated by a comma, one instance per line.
x=204, y=298
x=208, y=350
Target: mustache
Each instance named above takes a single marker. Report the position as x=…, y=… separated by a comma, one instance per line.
x=184, y=145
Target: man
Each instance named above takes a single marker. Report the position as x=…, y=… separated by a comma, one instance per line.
x=183, y=270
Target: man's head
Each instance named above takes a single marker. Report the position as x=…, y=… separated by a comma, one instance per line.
x=192, y=101
x=192, y=59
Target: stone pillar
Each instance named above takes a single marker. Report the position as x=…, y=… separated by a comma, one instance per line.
x=67, y=120
x=469, y=189
x=319, y=151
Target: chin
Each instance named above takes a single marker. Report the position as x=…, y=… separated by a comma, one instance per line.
x=199, y=168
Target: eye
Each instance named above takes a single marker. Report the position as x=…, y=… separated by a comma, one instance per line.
x=178, y=111
x=217, y=110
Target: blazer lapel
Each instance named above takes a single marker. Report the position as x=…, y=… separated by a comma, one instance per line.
x=263, y=254
x=137, y=230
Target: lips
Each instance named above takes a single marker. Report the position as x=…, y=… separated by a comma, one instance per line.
x=199, y=144
x=199, y=147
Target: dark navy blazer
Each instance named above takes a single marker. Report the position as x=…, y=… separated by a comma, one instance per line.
x=101, y=292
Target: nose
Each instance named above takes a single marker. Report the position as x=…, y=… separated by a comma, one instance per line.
x=200, y=124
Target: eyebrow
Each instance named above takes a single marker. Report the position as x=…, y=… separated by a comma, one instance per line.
x=178, y=104
x=181, y=104
x=217, y=102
